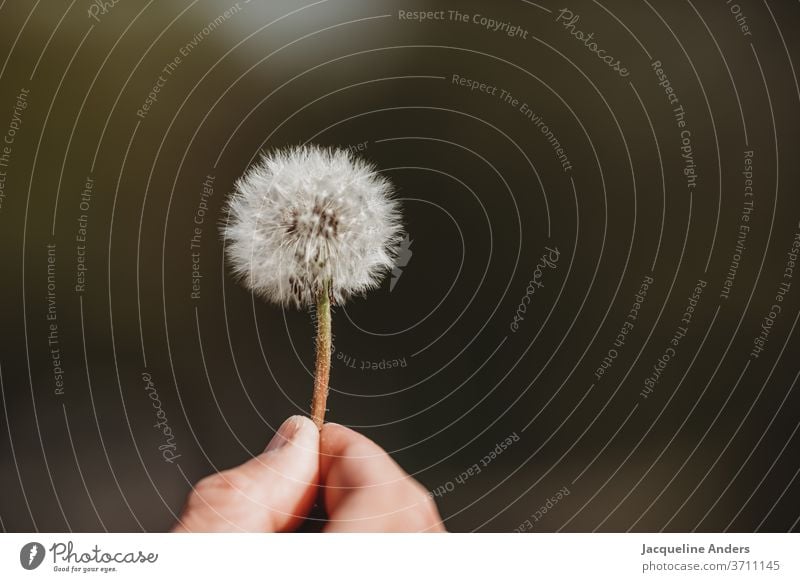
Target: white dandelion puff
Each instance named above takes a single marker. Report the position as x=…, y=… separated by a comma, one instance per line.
x=308, y=226
x=305, y=218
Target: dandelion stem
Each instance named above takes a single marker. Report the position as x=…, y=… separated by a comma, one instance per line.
x=323, y=369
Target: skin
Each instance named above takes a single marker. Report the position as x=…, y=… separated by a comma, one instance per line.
x=361, y=487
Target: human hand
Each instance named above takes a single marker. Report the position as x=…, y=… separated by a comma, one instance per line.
x=363, y=489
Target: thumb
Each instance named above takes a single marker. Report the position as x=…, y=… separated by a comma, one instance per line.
x=271, y=492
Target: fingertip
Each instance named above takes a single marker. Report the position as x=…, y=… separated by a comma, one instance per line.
x=332, y=427
x=296, y=430
x=302, y=423
x=305, y=427
x=336, y=437
x=302, y=420
x=338, y=443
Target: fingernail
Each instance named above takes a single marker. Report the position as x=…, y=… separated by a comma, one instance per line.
x=285, y=434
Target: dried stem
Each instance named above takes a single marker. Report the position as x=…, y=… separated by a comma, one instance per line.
x=323, y=369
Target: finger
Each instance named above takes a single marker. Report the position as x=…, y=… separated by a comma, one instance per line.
x=271, y=492
x=365, y=490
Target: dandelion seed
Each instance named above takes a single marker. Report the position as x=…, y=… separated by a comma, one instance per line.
x=309, y=226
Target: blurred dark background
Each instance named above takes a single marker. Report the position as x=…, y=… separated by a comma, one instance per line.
x=103, y=322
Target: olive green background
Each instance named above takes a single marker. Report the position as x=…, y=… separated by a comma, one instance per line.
x=713, y=448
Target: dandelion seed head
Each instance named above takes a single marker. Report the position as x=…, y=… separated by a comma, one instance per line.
x=306, y=217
